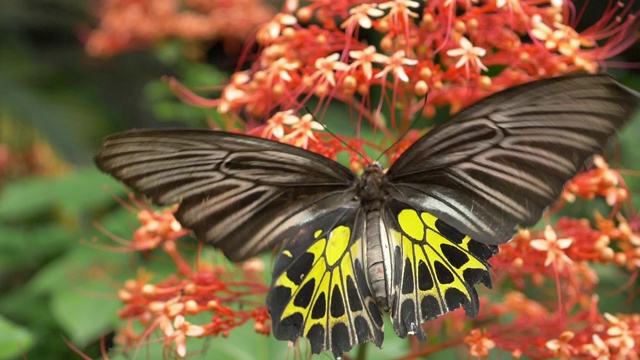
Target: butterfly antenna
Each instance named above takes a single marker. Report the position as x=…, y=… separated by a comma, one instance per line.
x=413, y=122
x=336, y=136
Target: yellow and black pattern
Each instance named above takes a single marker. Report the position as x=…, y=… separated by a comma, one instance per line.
x=435, y=268
x=319, y=289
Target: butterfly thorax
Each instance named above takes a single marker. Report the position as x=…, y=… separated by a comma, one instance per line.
x=371, y=187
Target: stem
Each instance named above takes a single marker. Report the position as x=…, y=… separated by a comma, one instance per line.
x=362, y=351
x=559, y=290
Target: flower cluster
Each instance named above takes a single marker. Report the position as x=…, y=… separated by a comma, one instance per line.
x=169, y=304
x=126, y=24
x=537, y=333
x=444, y=47
x=368, y=54
x=551, y=284
x=232, y=296
x=455, y=51
x=600, y=181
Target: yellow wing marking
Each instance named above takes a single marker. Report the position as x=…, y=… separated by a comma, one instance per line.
x=316, y=249
x=415, y=254
x=322, y=320
x=326, y=255
x=319, y=289
x=433, y=276
x=336, y=283
x=435, y=240
x=316, y=274
x=429, y=220
x=411, y=224
x=337, y=246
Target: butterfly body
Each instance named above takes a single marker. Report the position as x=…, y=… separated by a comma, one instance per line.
x=335, y=277
x=372, y=195
x=413, y=240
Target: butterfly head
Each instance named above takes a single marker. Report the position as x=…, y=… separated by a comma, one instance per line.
x=372, y=185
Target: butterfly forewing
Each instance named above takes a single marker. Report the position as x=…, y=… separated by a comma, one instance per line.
x=237, y=192
x=499, y=163
x=319, y=288
x=436, y=268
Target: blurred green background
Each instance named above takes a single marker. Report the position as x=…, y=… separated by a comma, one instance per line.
x=56, y=103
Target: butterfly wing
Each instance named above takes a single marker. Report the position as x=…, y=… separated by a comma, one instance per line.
x=319, y=288
x=239, y=193
x=499, y=163
x=435, y=267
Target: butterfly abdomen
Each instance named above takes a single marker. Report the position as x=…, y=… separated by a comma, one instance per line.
x=371, y=191
x=376, y=267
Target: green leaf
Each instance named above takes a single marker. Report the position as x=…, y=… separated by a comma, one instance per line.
x=613, y=281
x=81, y=266
x=628, y=139
x=29, y=246
x=196, y=77
x=14, y=339
x=78, y=191
x=80, y=286
x=85, y=315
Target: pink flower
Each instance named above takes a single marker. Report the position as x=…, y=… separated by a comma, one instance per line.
x=303, y=131
x=395, y=64
x=361, y=15
x=553, y=246
x=469, y=56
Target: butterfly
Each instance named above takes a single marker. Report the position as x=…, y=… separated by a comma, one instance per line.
x=413, y=240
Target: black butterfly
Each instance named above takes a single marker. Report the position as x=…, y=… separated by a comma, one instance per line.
x=413, y=240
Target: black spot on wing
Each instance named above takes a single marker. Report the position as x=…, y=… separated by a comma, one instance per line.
x=454, y=255
x=474, y=276
x=362, y=329
x=443, y=274
x=482, y=251
x=282, y=262
x=301, y=268
x=407, y=278
x=425, y=281
x=397, y=255
x=320, y=307
x=316, y=338
x=449, y=232
x=374, y=310
x=361, y=279
x=407, y=317
x=289, y=328
x=430, y=307
x=304, y=295
x=352, y=295
x=337, y=304
x=455, y=298
x=276, y=302
x=280, y=295
x=340, y=342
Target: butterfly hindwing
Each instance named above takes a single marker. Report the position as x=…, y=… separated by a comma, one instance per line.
x=319, y=289
x=239, y=193
x=436, y=268
x=499, y=163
